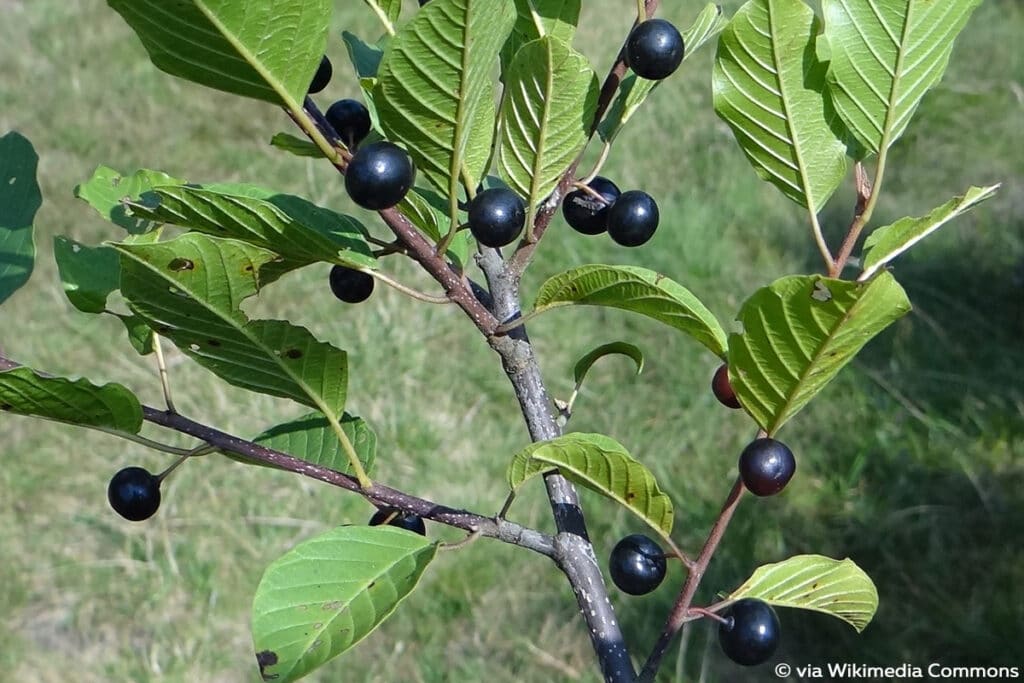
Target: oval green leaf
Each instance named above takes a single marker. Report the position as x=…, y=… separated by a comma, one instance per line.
x=770, y=88
x=638, y=290
x=798, y=333
x=328, y=593
x=814, y=582
x=621, y=348
x=79, y=402
x=229, y=45
x=550, y=100
x=884, y=56
x=20, y=198
x=600, y=464
x=436, y=93
x=311, y=438
x=107, y=191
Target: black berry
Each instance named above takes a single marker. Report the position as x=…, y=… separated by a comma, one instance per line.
x=633, y=218
x=654, y=49
x=637, y=565
x=766, y=466
x=379, y=175
x=722, y=389
x=496, y=217
x=403, y=520
x=750, y=632
x=350, y=119
x=351, y=286
x=322, y=76
x=584, y=212
x=134, y=493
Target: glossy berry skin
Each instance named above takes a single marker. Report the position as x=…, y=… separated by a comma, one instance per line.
x=402, y=520
x=350, y=119
x=134, y=493
x=322, y=76
x=722, y=389
x=351, y=286
x=750, y=632
x=496, y=217
x=379, y=175
x=637, y=565
x=633, y=218
x=584, y=213
x=766, y=466
x=654, y=49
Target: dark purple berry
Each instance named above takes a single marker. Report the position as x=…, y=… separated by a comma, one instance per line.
x=654, y=49
x=350, y=119
x=402, y=520
x=134, y=493
x=587, y=214
x=633, y=218
x=722, y=389
x=496, y=217
x=379, y=175
x=637, y=565
x=750, y=632
x=322, y=76
x=351, y=286
x=766, y=466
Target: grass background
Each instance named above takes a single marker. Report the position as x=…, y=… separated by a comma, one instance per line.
x=911, y=462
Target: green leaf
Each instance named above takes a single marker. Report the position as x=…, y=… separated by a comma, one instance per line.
x=884, y=56
x=140, y=335
x=311, y=438
x=634, y=90
x=365, y=58
x=798, y=333
x=638, y=290
x=20, y=198
x=264, y=50
x=326, y=594
x=387, y=11
x=539, y=18
x=550, y=99
x=886, y=243
x=189, y=290
x=622, y=348
x=814, y=582
x=435, y=91
x=600, y=464
x=292, y=144
x=293, y=227
x=23, y=391
x=89, y=274
x=107, y=191
x=769, y=87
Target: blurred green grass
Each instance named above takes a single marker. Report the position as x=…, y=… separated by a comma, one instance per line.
x=911, y=463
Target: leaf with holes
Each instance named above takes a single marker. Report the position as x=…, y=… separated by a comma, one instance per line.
x=634, y=90
x=20, y=198
x=112, y=407
x=264, y=50
x=550, y=99
x=107, y=191
x=621, y=348
x=770, y=88
x=884, y=56
x=814, y=582
x=798, y=333
x=600, y=464
x=435, y=92
x=886, y=243
x=296, y=229
x=326, y=594
x=189, y=290
x=638, y=290
x=311, y=438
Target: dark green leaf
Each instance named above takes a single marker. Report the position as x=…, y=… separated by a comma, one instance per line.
x=89, y=274
x=20, y=198
x=311, y=438
x=584, y=364
x=292, y=144
x=79, y=402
